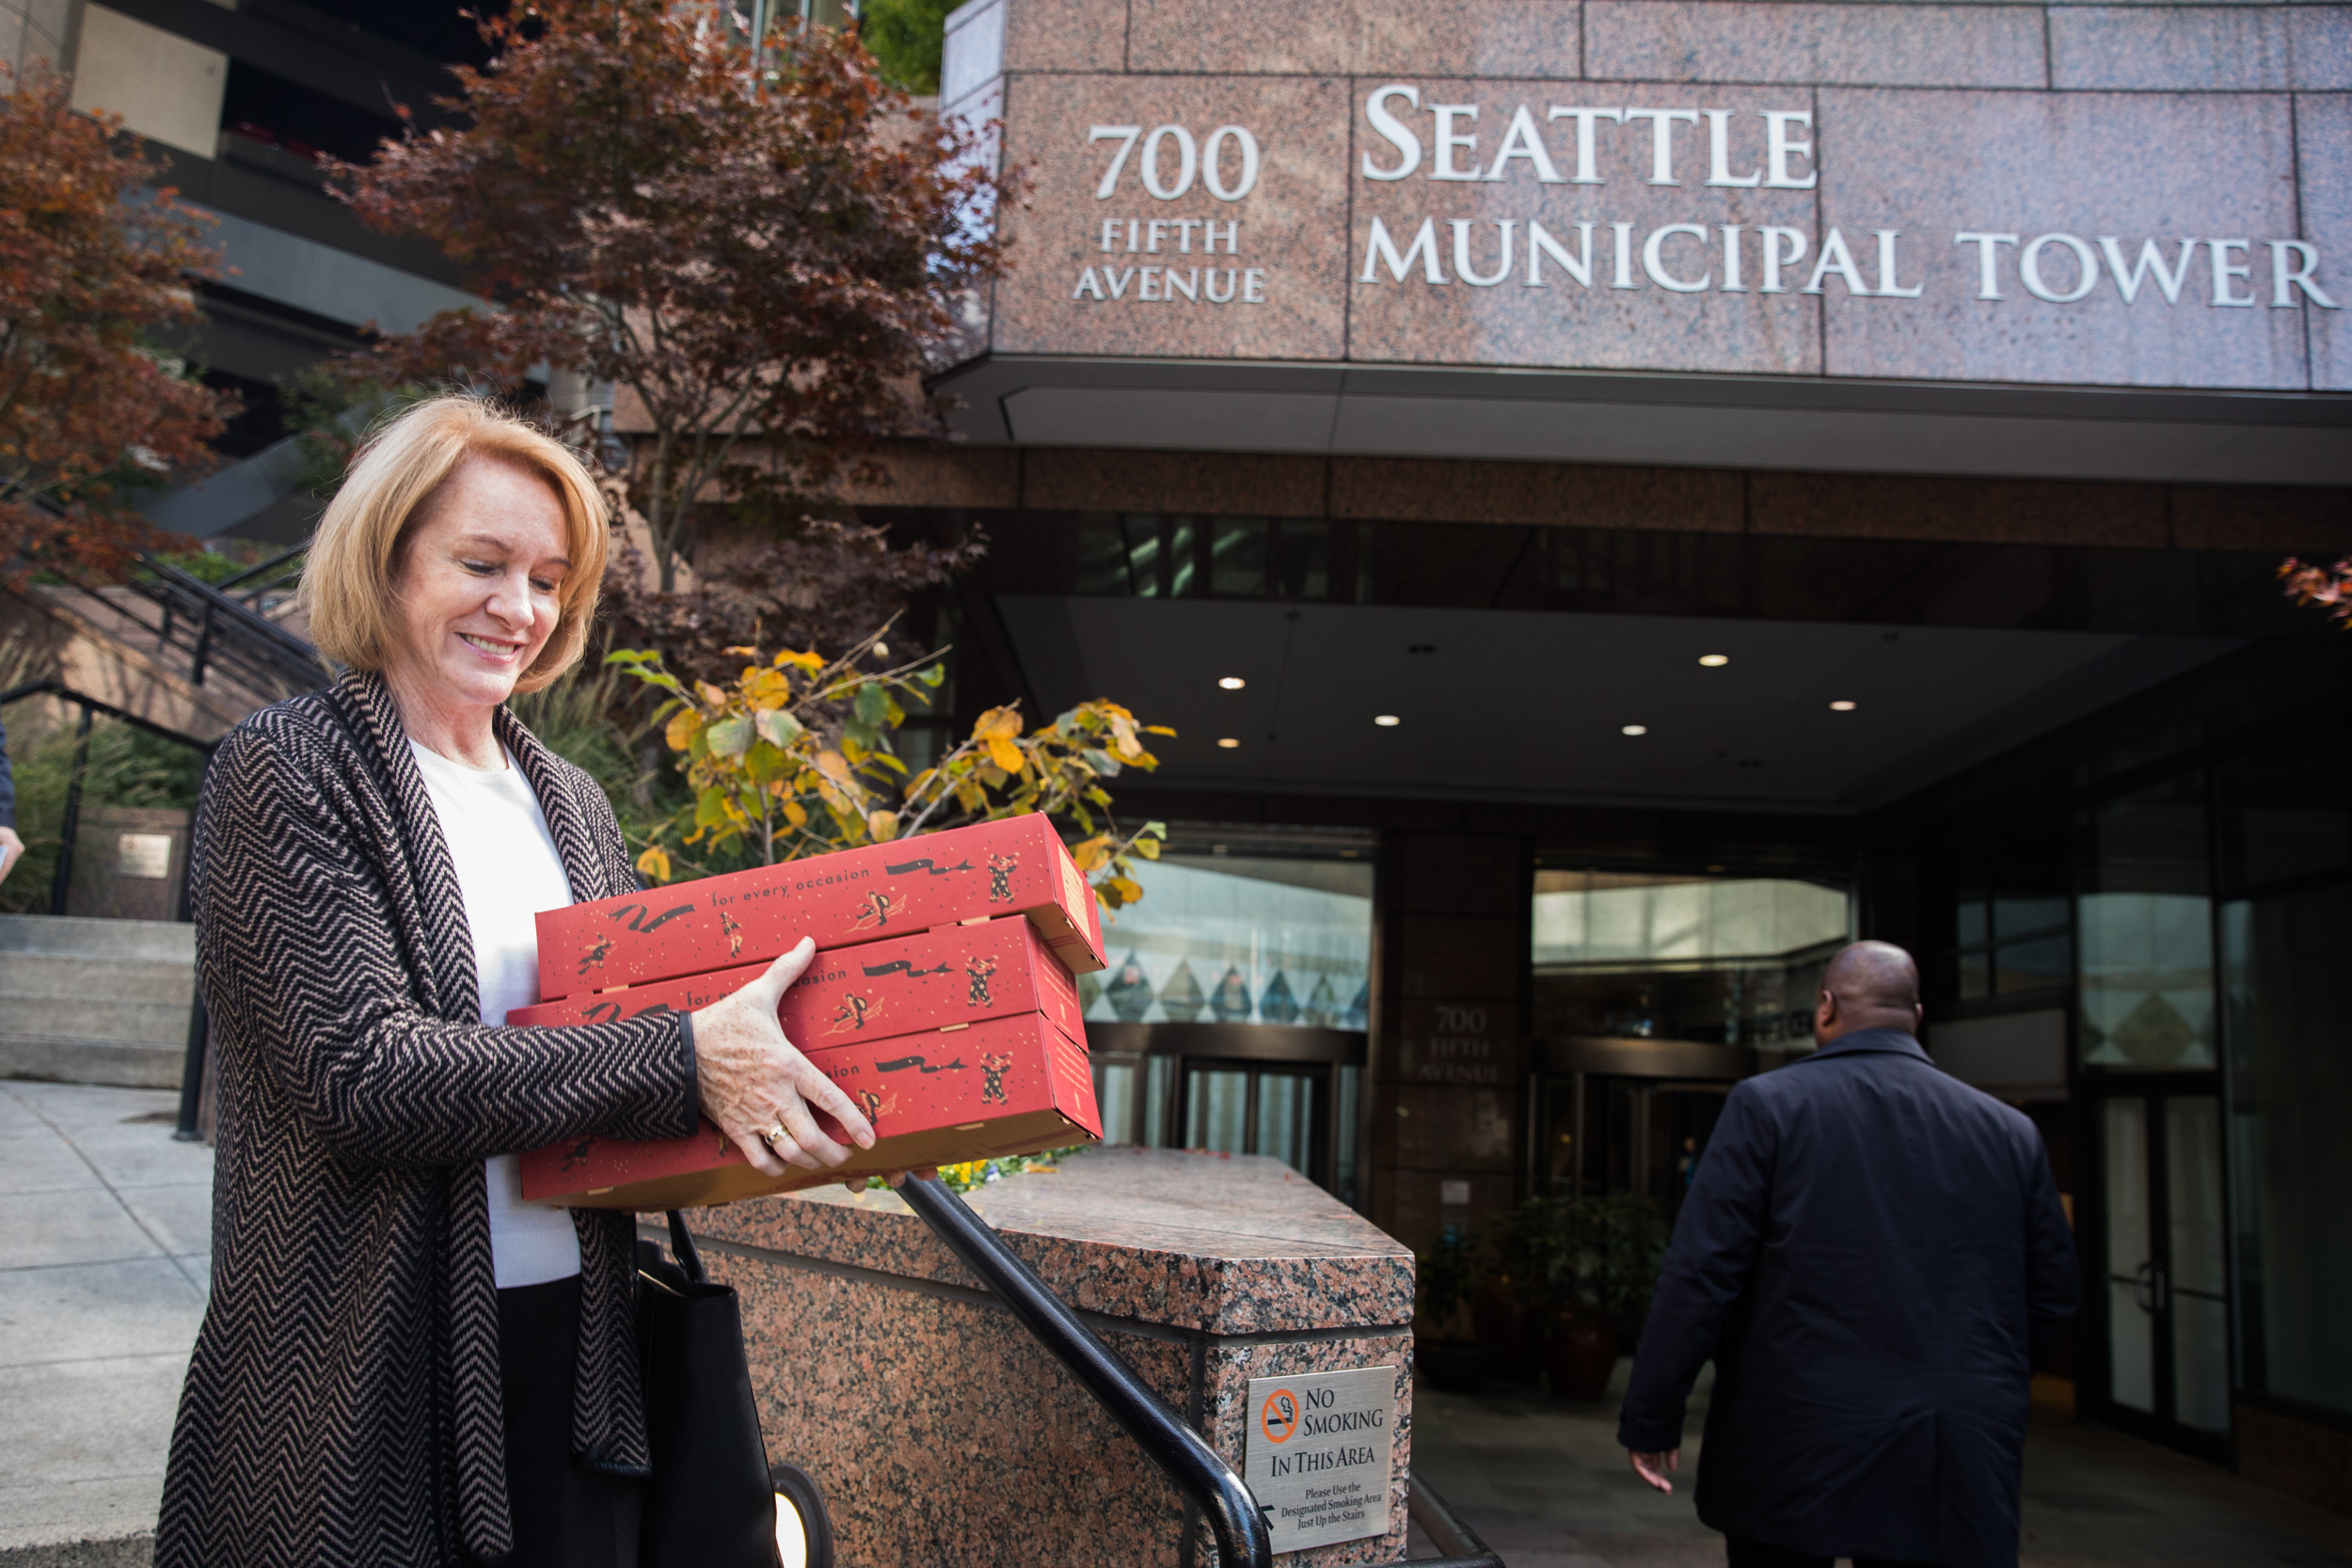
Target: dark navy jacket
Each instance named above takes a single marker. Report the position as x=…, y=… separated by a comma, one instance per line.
x=1874, y=1256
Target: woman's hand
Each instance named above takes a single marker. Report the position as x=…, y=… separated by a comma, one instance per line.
x=758, y=1088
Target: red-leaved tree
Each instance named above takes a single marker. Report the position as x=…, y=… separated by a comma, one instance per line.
x=95, y=414
x=2330, y=586
x=760, y=249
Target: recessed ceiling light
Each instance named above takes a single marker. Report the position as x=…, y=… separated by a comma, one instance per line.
x=1841, y=705
x=1230, y=743
x=1714, y=661
x=1387, y=720
x=1635, y=729
x=1231, y=683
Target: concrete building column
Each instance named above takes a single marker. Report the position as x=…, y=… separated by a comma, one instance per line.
x=1448, y=1047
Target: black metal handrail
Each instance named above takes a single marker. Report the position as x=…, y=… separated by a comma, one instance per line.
x=199, y=1033
x=1243, y=1540
x=211, y=628
x=1448, y=1531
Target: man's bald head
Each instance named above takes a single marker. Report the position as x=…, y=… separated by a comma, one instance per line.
x=1870, y=984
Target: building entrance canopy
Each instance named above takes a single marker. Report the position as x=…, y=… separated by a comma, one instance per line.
x=1922, y=238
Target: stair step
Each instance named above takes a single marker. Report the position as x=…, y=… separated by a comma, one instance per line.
x=64, y=976
x=113, y=1063
x=155, y=1023
x=144, y=941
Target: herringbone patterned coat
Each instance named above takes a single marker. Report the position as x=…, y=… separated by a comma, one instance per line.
x=343, y=1406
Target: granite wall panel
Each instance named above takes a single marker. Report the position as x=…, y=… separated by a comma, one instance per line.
x=1131, y=273
x=1239, y=485
x=917, y=473
x=1880, y=45
x=2078, y=168
x=2323, y=127
x=1444, y=957
x=1313, y=38
x=2321, y=39
x=1065, y=35
x=1978, y=511
x=2169, y=48
x=1404, y=490
x=1456, y=273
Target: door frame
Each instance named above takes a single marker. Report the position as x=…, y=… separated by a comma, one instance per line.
x=2095, y=1372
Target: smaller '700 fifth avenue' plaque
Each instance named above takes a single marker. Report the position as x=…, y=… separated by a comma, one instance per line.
x=1318, y=1454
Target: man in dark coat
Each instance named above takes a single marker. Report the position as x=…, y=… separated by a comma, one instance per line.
x=1874, y=1256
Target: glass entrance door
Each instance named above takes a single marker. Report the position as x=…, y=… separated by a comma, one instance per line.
x=2167, y=1294
x=1254, y=1108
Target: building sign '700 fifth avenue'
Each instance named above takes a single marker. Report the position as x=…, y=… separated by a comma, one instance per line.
x=2091, y=238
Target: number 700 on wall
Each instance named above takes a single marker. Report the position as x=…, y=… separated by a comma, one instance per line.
x=1204, y=160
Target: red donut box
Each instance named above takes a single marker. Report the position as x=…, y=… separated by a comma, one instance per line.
x=852, y=897
x=1010, y=1086
x=932, y=980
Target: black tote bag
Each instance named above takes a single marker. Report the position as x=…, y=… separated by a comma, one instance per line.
x=710, y=1503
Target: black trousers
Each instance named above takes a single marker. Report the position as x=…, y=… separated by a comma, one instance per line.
x=565, y=1515
x=1745, y=1552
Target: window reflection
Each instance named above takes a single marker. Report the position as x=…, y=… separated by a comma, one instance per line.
x=2147, y=933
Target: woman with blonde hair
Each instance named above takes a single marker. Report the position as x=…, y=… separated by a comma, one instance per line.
x=402, y=1361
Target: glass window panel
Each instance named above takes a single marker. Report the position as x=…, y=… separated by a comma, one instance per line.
x=2029, y=880
x=2033, y=965
x=1343, y=1175
x=1975, y=975
x=1237, y=554
x=2131, y=1331
x=2200, y=1361
x=1115, y=1094
x=1217, y=1111
x=2146, y=929
x=2292, y=1100
x=2282, y=813
x=1975, y=920
x=1183, y=552
x=1287, y=1104
x=1305, y=559
x=1240, y=940
x=2192, y=1165
x=1101, y=551
x=1143, y=555
x=1159, y=1090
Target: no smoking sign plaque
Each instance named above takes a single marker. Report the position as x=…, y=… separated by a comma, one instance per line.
x=1318, y=1453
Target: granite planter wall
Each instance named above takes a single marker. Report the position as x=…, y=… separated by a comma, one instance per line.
x=943, y=1434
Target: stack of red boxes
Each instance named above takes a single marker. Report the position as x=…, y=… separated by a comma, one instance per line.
x=941, y=998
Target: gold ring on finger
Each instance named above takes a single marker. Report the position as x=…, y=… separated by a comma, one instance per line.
x=774, y=1135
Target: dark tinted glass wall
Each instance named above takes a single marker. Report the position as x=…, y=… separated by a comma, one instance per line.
x=2284, y=825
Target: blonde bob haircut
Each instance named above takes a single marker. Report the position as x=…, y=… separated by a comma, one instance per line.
x=349, y=584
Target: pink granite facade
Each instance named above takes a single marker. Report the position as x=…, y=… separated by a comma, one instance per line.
x=941, y=1432
x=1710, y=187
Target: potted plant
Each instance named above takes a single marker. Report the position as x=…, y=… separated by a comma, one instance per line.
x=1515, y=1310
x=1605, y=1267
x=1444, y=1278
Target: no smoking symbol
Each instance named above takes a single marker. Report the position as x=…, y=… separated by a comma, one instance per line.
x=1278, y=1417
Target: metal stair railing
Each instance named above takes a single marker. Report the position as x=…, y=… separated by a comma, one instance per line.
x=212, y=629
x=1243, y=1537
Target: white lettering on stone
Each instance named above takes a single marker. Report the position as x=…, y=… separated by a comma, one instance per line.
x=1779, y=150
x=1393, y=130
x=1732, y=285
x=1837, y=258
x=1771, y=236
x=1624, y=278
x=1152, y=230
x=1209, y=286
x=1719, y=152
x=1233, y=238
x=1653, y=261
x=1381, y=247
x=2281, y=278
x=1213, y=167
x=2150, y=264
x=1187, y=161
x=1585, y=157
x=1183, y=233
x=1987, y=273
x=1524, y=140
x=1110, y=234
x=1448, y=140
x=1087, y=284
x=1145, y=283
x=1189, y=288
x=1887, y=288
x=2085, y=269
x=1462, y=268
x=1579, y=266
x=1116, y=281
x=1661, y=161
x=2225, y=274
x=1254, y=285
x=1123, y=134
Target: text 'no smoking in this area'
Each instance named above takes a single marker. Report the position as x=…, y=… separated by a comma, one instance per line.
x=1320, y=1450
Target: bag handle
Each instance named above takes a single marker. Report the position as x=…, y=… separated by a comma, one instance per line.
x=682, y=1246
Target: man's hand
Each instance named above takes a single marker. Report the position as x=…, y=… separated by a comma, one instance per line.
x=1652, y=1467
x=12, y=851
x=758, y=1088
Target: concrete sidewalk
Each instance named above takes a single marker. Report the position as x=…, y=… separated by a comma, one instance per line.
x=104, y=1242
